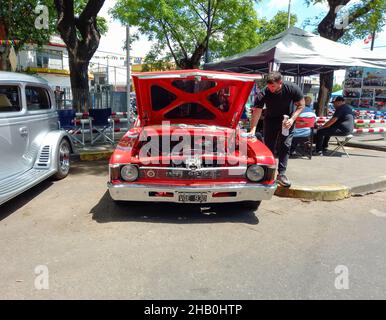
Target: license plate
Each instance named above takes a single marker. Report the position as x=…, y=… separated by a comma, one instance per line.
x=192, y=197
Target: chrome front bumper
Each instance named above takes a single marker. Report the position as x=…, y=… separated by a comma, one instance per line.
x=141, y=192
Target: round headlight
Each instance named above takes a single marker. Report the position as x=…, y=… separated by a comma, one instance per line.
x=129, y=173
x=255, y=173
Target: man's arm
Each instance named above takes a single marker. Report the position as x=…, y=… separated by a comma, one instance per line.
x=300, y=105
x=329, y=123
x=256, y=114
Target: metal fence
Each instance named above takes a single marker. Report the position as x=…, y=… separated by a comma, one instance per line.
x=92, y=100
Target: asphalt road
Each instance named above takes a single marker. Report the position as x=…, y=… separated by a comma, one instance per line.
x=67, y=240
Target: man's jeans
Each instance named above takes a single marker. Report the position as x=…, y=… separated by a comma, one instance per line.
x=275, y=141
x=323, y=136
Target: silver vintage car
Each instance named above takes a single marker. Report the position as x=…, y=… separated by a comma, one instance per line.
x=32, y=147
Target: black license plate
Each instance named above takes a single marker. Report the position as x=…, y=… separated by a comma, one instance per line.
x=194, y=197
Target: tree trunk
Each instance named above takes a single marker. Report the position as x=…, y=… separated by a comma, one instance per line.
x=79, y=84
x=4, y=49
x=5, y=65
x=188, y=64
x=326, y=83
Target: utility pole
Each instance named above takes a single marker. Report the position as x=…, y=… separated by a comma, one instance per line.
x=289, y=14
x=128, y=68
x=207, y=36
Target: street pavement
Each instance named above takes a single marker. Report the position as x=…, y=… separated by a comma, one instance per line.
x=94, y=249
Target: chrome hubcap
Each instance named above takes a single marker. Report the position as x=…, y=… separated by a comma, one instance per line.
x=64, y=157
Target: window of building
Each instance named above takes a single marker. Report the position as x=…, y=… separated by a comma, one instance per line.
x=52, y=59
x=37, y=99
x=10, y=99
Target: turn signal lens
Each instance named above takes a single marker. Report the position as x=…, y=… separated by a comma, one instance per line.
x=129, y=173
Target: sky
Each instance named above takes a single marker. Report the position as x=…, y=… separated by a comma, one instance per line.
x=114, y=40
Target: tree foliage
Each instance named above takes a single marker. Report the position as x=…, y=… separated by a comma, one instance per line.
x=345, y=21
x=269, y=28
x=348, y=20
x=17, y=22
x=185, y=30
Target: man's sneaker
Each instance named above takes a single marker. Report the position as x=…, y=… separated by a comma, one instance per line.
x=283, y=180
x=318, y=153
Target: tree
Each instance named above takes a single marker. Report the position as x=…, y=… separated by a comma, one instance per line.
x=185, y=30
x=337, y=87
x=362, y=17
x=278, y=24
x=81, y=34
x=20, y=20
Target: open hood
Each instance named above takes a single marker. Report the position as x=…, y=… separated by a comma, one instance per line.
x=192, y=97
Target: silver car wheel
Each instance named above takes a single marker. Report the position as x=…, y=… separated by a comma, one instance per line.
x=63, y=158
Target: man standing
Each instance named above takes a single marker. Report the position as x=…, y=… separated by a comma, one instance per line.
x=341, y=124
x=280, y=98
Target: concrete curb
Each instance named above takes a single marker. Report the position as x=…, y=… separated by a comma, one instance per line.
x=365, y=187
x=333, y=192
x=365, y=146
x=321, y=193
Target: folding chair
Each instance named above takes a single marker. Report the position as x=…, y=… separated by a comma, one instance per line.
x=307, y=141
x=100, y=123
x=341, y=142
x=67, y=122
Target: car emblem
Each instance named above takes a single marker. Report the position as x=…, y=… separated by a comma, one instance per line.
x=193, y=163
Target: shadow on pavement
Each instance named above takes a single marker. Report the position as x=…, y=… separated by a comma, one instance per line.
x=109, y=211
x=16, y=203
x=97, y=167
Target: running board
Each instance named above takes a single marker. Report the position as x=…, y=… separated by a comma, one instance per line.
x=11, y=187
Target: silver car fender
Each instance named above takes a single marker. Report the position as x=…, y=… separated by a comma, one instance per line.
x=47, y=156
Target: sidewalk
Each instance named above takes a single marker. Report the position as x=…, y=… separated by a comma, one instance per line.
x=336, y=177
x=369, y=141
x=322, y=178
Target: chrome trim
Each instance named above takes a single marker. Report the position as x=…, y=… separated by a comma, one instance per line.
x=140, y=192
x=200, y=169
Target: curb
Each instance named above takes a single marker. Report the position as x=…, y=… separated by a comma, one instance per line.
x=320, y=193
x=333, y=192
x=365, y=146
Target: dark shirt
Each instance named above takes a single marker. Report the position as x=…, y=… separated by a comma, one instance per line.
x=345, y=117
x=281, y=103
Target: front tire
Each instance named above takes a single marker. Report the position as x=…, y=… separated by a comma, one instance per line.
x=63, y=160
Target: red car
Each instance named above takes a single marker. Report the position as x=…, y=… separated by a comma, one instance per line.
x=186, y=146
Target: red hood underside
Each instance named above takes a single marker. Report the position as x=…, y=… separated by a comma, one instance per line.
x=192, y=97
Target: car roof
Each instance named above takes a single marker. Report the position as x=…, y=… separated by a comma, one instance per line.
x=20, y=77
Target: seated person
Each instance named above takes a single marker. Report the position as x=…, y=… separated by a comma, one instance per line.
x=341, y=124
x=308, y=112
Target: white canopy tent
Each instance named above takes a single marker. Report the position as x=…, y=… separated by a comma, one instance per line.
x=298, y=53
